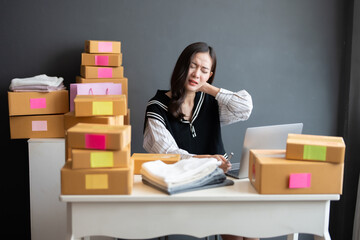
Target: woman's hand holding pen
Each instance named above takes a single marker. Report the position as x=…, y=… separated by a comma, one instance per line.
x=225, y=164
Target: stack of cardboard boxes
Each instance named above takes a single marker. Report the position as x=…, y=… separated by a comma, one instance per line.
x=102, y=62
x=97, y=141
x=310, y=164
x=37, y=114
x=100, y=160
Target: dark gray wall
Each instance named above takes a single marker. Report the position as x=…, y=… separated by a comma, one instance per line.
x=286, y=54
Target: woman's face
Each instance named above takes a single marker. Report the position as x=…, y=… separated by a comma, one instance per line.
x=199, y=71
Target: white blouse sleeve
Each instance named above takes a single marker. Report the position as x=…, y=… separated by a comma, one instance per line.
x=157, y=139
x=234, y=106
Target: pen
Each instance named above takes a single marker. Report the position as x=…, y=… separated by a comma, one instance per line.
x=229, y=158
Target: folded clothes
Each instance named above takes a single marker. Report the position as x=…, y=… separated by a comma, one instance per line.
x=226, y=182
x=39, y=80
x=37, y=88
x=181, y=172
x=217, y=176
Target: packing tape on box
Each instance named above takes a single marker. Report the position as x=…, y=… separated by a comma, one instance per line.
x=95, y=141
x=96, y=181
x=101, y=60
x=105, y=47
x=101, y=159
x=36, y=103
x=105, y=73
x=39, y=126
x=312, y=152
x=102, y=108
x=300, y=180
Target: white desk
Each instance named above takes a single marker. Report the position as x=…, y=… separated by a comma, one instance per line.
x=237, y=209
x=47, y=213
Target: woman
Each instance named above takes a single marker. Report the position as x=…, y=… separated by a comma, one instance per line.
x=187, y=119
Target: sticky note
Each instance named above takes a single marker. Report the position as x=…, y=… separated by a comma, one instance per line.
x=101, y=60
x=36, y=103
x=95, y=141
x=105, y=47
x=101, y=159
x=102, y=108
x=39, y=126
x=96, y=181
x=312, y=152
x=105, y=73
x=300, y=180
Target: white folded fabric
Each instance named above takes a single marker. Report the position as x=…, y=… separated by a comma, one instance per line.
x=42, y=79
x=182, y=172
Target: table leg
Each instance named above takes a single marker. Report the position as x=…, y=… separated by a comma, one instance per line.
x=294, y=236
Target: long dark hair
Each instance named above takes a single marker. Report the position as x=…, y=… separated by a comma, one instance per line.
x=180, y=72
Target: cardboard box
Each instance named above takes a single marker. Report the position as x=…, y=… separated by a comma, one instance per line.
x=93, y=89
x=39, y=126
x=95, y=46
x=100, y=105
x=140, y=158
x=315, y=148
x=101, y=59
x=271, y=173
x=123, y=81
x=98, y=136
x=83, y=158
x=96, y=181
x=127, y=118
x=102, y=72
x=71, y=120
x=37, y=103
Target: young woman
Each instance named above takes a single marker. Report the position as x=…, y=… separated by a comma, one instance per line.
x=187, y=119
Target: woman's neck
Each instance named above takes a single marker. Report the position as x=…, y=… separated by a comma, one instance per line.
x=188, y=105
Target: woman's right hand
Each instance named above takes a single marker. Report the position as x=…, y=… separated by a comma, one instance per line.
x=225, y=164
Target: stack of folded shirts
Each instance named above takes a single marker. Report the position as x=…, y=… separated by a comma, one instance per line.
x=39, y=83
x=185, y=175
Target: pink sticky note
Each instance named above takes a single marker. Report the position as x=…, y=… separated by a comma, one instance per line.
x=95, y=141
x=105, y=73
x=300, y=180
x=105, y=47
x=37, y=103
x=101, y=60
x=39, y=126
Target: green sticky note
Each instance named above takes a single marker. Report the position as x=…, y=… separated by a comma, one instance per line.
x=101, y=159
x=312, y=152
x=102, y=108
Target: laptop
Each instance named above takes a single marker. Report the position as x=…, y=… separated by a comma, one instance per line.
x=264, y=137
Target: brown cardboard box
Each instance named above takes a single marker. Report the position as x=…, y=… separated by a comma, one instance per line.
x=96, y=181
x=98, y=136
x=127, y=118
x=271, y=173
x=123, y=81
x=100, y=105
x=102, y=72
x=101, y=59
x=140, y=158
x=83, y=158
x=95, y=46
x=37, y=103
x=315, y=148
x=71, y=120
x=39, y=126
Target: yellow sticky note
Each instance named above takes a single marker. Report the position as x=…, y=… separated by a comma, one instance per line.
x=102, y=108
x=96, y=181
x=101, y=159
